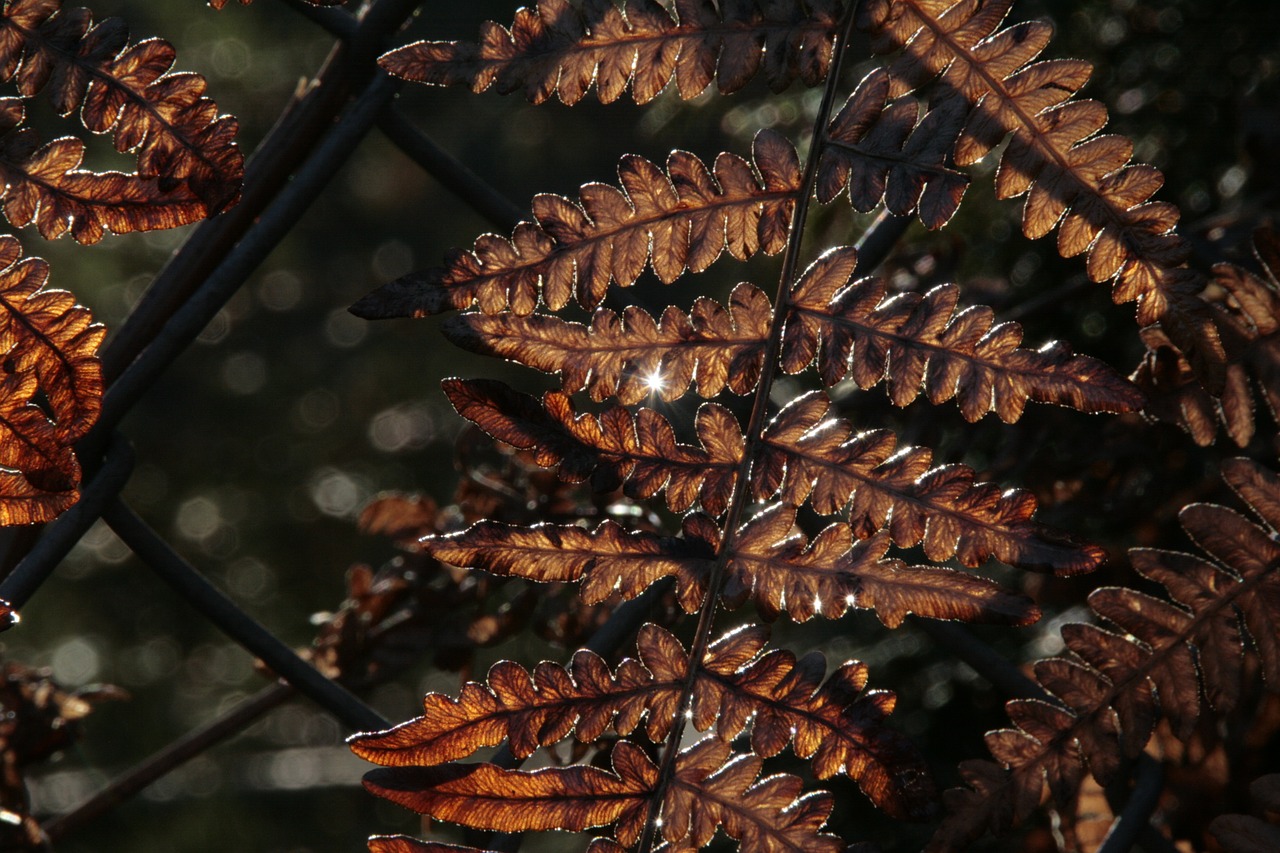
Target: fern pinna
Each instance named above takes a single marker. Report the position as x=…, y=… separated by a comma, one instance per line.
x=747, y=479
x=187, y=167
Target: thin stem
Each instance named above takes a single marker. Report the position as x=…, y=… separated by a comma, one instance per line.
x=451, y=172
x=235, y=623
x=172, y=756
x=755, y=424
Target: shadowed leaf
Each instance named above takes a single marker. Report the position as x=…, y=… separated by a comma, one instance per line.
x=557, y=49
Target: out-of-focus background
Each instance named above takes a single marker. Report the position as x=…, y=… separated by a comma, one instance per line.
x=260, y=446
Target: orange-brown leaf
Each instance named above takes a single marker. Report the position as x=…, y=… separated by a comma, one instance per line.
x=129, y=90
x=632, y=356
x=1076, y=181
x=685, y=217
x=920, y=342
x=1169, y=655
x=557, y=49
x=45, y=332
x=833, y=722
x=877, y=151
x=781, y=571
x=45, y=186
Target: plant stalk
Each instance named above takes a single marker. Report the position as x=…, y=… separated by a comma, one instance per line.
x=755, y=424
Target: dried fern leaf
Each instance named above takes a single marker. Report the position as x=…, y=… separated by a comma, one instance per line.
x=915, y=342
x=784, y=701
x=46, y=333
x=1247, y=307
x=1166, y=656
x=45, y=186
x=776, y=571
x=877, y=151
x=1076, y=181
x=558, y=49
x=847, y=328
x=403, y=843
x=780, y=571
x=631, y=355
x=711, y=789
x=804, y=456
x=129, y=90
x=683, y=218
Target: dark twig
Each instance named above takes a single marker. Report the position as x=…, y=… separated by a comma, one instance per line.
x=172, y=756
x=1132, y=824
x=452, y=173
x=986, y=661
x=235, y=623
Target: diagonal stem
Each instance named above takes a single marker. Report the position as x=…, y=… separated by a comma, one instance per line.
x=760, y=405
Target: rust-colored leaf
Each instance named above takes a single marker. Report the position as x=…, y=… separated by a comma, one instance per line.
x=46, y=333
x=876, y=151
x=1117, y=685
x=685, y=217
x=832, y=722
x=129, y=90
x=917, y=342
x=44, y=186
x=558, y=49
x=1076, y=181
x=632, y=356
x=1246, y=308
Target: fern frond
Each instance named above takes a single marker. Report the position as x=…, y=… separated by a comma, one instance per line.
x=876, y=151
x=1117, y=685
x=557, y=49
x=45, y=186
x=847, y=328
x=776, y=571
x=915, y=341
x=46, y=333
x=1247, y=307
x=711, y=789
x=785, y=702
x=804, y=456
x=1076, y=181
x=630, y=355
x=129, y=90
x=683, y=218
x=402, y=843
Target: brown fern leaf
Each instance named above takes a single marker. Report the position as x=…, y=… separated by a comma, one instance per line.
x=780, y=571
x=711, y=789
x=1117, y=685
x=785, y=702
x=631, y=356
x=776, y=571
x=403, y=843
x=847, y=328
x=876, y=151
x=1079, y=182
x=557, y=49
x=683, y=218
x=46, y=333
x=804, y=456
x=607, y=559
x=45, y=186
x=916, y=341
x=130, y=90
x=814, y=457
x=1248, y=316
